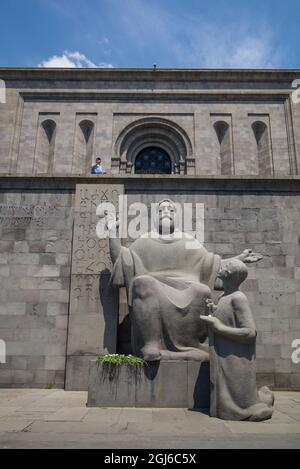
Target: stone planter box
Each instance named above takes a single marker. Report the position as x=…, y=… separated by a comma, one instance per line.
x=166, y=384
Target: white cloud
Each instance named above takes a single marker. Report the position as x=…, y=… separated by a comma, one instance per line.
x=253, y=52
x=189, y=40
x=144, y=32
x=72, y=60
x=234, y=49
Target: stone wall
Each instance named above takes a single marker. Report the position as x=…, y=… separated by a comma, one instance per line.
x=36, y=220
x=35, y=258
x=194, y=118
x=114, y=99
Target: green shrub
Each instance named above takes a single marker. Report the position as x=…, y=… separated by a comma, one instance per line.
x=115, y=359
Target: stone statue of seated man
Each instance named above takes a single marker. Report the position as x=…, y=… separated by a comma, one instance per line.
x=232, y=339
x=167, y=287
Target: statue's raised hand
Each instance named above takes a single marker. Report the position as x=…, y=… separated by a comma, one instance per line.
x=112, y=222
x=108, y=220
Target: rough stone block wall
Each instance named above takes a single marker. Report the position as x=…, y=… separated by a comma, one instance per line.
x=190, y=100
x=35, y=247
x=270, y=225
x=36, y=230
x=194, y=118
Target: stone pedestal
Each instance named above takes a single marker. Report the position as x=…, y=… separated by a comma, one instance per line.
x=161, y=384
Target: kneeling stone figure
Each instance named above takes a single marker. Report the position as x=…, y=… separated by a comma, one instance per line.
x=232, y=340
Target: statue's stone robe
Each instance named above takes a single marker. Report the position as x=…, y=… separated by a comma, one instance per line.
x=181, y=278
x=234, y=394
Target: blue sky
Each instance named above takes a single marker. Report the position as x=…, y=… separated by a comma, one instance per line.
x=139, y=33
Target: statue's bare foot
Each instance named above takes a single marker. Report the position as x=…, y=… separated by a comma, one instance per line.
x=266, y=396
x=262, y=412
x=151, y=353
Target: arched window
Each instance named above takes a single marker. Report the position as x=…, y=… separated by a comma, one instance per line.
x=263, y=147
x=153, y=160
x=157, y=132
x=84, y=146
x=45, y=147
x=223, y=134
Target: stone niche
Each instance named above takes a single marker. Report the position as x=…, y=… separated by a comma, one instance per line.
x=182, y=384
x=94, y=304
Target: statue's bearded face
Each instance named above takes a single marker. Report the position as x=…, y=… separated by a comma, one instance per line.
x=166, y=215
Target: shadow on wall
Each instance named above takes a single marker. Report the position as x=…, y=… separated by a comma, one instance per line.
x=109, y=297
x=201, y=392
x=124, y=336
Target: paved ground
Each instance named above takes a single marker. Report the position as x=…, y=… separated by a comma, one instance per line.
x=59, y=419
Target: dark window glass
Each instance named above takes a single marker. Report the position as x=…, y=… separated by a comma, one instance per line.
x=153, y=160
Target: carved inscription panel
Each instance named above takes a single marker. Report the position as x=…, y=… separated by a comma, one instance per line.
x=43, y=215
x=91, y=254
x=93, y=302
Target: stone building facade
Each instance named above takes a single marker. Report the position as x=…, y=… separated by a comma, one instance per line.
x=227, y=139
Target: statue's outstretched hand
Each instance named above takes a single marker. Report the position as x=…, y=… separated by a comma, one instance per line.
x=249, y=257
x=212, y=321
